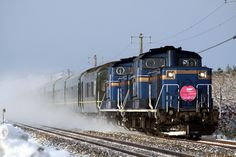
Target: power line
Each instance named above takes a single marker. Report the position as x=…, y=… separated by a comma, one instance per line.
x=207, y=30
x=193, y=25
x=234, y=37
x=233, y=1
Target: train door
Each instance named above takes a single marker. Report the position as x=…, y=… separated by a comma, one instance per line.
x=102, y=78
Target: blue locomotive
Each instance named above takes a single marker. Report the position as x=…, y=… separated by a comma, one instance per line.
x=166, y=89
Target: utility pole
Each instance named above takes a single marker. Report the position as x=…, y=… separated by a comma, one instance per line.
x=3, y=115
x=95, y=60
x=141, y=41
x=69, y=73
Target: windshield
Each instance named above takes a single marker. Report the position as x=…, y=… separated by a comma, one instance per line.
x=188, y=62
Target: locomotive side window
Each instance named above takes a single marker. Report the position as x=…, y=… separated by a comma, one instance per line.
x=150, y=63
x=92, y=89
x=154, y=62
x=87, y=89
x=192, y=62
x=185, y=62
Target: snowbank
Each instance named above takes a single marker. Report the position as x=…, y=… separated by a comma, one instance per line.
x=14, y=142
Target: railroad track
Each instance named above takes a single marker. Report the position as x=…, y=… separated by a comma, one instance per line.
x=208, y=141
x=128, y=148
x=226, y=144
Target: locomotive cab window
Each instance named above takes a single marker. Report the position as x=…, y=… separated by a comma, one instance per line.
x=153, y=62
x=188, y=62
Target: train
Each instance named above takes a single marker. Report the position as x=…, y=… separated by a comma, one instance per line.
x=163, y=90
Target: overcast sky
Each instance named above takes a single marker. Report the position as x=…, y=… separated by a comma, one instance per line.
x=53, y=35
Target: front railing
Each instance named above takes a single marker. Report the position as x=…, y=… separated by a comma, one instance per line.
x=167, y=89
x=208, y=96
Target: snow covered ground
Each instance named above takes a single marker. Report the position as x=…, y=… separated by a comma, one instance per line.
x=16, y=143
x=224, y=94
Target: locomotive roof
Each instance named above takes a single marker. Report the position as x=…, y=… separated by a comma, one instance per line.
x=166, y=48
x=98, y=67
x=160, y=50
x=113, y=63
x=124, y=60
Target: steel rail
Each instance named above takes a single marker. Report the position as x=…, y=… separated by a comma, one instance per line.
x=80, y=139
x=213, y=142
x=226, y=144
x=164, y=151
x=64, y=133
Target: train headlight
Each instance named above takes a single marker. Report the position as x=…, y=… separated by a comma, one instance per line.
x=170, y=74
x=202, y=74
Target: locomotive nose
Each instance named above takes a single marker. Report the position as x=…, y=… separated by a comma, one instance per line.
x=188, y=93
